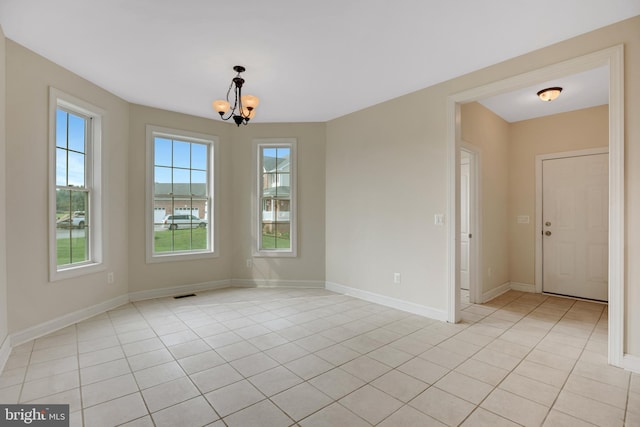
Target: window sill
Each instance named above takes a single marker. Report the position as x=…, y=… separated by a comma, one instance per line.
x=76, y=271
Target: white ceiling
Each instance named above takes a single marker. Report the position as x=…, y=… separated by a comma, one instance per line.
x=582, y=90
x=307, y=61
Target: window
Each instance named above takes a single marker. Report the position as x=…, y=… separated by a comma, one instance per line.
x=75, y=203
x=275, y=214
x=180, y=206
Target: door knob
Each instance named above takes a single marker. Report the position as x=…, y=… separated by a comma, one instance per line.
x=547, y=233
x=547, y=223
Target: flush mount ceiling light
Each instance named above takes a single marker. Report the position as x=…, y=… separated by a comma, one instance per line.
x=550, y=93
x=243, y=105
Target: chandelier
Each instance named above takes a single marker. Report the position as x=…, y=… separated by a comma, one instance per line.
x=243, y=105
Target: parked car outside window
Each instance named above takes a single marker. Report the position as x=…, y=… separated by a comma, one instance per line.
x=174, y=222
x=77, y=220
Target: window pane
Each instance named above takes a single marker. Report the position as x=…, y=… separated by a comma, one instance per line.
x=77, y=133
x=199, y=156
x=181, y=154
x=283, y=159
x=162, y=180
x=162, y=152
x=181, y=176
x=269, y=181
x=199, y=183
x=282, y=187
x=79, y=247
x=61, y=128
x=268, y=236
x=76, y=169
x=282, y=236
x=268, y=213
x=61, y=167
x=72, y=233
x=181, y=179
x=282, y=211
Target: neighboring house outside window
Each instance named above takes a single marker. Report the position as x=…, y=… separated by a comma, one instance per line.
x=180, y=183
x=275, y=216
x=76, y=198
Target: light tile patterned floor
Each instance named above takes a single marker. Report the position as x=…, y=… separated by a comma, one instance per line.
x=282, y=357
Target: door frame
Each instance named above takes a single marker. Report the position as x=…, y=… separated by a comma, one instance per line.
x=538, y=218
x=613, y=58
x=475, y=221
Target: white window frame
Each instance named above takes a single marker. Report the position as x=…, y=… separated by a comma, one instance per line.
x=212, y=193
x=93, y=177
x=256, y=228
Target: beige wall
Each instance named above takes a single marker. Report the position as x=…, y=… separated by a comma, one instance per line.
x=307, y=269
x=387, y=177
x=33, y=299
x=4, y=328
x=143, y=276
x=577, y=130
x=490, y=134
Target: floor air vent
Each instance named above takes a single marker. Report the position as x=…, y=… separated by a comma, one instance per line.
x=184, y=296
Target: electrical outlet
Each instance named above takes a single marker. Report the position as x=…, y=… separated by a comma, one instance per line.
x=396, y=278
x=110, y=278
x=249, y=263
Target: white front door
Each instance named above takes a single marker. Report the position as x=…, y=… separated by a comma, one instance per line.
x=575, y=226
x=464, y=222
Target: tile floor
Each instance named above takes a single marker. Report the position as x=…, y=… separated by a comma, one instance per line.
x=282, y=357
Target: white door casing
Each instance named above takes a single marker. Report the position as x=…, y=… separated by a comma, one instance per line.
x=575, y=226
x=464, y=221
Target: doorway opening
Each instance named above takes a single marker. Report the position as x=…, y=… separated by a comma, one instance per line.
x=612, y=58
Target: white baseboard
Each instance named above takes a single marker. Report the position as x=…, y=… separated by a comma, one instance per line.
x=399, y=304
x=66, y=320
x=495, y=292
x=277, y=283
x=631, y=363
x=178, y=290
x=523, y=287
x=5, y=351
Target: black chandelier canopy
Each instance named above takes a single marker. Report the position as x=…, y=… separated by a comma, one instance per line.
x=243, y=105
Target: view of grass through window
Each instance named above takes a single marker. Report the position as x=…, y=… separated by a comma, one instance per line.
x=181, y=196
x=72, y=191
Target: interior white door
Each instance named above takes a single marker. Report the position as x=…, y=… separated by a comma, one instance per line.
x=575, y=226
x=464, y=223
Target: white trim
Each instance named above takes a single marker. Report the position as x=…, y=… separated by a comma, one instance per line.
x=612, y=57
x=631, y=363
x=398, y=304
x=523, y=287
x=277, y=283
x=495, y=292
x=66, y=320
x=97, y=234
x=538, y=209
x=212, y=193
x=5, y=352
x=256, y=204
x=178, y=290
x=454, y=135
